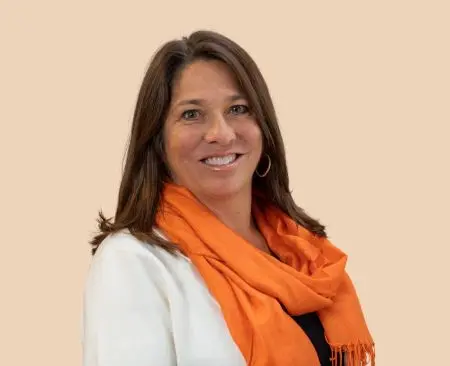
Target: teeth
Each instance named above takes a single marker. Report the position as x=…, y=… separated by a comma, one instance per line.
x=223, y=160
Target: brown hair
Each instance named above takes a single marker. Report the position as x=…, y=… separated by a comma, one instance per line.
x=145, y=169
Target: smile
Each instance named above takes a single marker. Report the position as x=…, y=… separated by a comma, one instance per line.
x=221, y=161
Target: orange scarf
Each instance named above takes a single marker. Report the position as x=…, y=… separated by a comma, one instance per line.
x=249, y=284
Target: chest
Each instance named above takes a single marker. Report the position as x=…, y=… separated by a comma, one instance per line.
x=200, y=334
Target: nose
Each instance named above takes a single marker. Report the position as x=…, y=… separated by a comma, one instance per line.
x=219, y=131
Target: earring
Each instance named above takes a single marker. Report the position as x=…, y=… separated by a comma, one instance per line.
x=267, y=169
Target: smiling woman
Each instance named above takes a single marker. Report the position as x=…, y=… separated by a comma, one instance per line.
x=208, y=260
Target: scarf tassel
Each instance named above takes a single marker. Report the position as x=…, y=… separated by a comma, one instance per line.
x=359, y=354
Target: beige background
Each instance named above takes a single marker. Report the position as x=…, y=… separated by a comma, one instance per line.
x=362, y=90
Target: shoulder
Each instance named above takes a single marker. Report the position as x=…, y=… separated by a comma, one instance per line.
x=124, y=242
x=122, y=258
x=126, y=318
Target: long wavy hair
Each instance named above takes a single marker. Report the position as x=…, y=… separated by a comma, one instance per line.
x=145, y=169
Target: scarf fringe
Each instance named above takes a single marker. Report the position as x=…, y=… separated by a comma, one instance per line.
x=359, y=354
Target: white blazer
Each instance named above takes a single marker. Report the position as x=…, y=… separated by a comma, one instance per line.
x=144, y=306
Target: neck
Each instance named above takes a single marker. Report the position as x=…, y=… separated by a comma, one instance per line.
x=236, y=213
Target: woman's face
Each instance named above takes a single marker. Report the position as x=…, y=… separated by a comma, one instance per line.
x=212, y=141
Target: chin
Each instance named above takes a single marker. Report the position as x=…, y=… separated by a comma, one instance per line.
x=223, y=188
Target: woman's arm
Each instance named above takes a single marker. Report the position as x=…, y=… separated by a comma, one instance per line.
x=126, y=314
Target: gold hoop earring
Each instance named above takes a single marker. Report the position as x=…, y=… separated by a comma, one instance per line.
x=269, y=165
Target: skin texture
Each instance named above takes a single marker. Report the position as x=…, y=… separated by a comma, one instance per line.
x=209, y=116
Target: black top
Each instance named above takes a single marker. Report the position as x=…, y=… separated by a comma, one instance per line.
x=312, y=326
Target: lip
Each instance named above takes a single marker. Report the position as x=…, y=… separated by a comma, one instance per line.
x=223, y=168
x=220, y=155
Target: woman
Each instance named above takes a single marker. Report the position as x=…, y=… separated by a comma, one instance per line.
x=208, y=260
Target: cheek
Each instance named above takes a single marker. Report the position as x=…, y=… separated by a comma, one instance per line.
x=253, y=135
x=180, y=144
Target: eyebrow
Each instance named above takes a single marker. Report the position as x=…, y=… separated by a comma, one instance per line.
x=232, y=98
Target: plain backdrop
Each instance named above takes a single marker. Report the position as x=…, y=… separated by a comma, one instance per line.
x=362, y=91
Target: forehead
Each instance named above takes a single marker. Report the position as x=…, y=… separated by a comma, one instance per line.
x=205, y=79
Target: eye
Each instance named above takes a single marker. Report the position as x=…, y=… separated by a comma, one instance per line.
x=239, y=109
x=190, y=114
